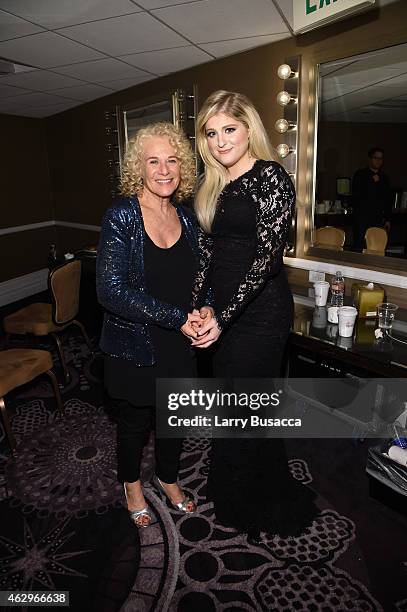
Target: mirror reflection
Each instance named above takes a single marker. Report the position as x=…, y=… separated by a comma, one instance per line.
x=361, y=171
x=131, y=119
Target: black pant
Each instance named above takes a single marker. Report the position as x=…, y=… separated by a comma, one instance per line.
x=134, y=424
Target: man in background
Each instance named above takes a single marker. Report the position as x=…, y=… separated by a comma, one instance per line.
x=371, y=197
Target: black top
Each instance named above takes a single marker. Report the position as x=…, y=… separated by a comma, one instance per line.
x=250, y=232
x=169, y=275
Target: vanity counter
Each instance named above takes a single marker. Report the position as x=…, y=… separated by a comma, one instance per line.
x=385, y=357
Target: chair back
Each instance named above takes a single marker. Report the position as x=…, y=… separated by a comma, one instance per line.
x=376, y=240
x=64, y=284
x=330, y=237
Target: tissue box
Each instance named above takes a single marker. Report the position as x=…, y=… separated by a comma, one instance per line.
x=366, y=297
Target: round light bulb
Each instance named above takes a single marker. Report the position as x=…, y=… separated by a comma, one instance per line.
x=283, y=150
x=281, y=125
x=283, y=98
x=284, y=71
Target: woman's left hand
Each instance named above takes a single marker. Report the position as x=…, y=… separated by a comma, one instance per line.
x=205, y=313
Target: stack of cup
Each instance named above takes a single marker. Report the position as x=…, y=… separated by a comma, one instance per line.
x=346, y=318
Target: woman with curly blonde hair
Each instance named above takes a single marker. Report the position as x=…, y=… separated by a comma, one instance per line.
x=145, y=272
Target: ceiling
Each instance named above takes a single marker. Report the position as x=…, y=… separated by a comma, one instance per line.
x=68, y=52
x=369, y=88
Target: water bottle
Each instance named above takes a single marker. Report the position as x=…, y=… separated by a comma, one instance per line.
x=337, y=289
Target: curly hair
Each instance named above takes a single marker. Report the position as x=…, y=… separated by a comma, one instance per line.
x=131, y=177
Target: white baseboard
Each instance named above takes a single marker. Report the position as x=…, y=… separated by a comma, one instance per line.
x=23, y=286
x=33, y=226
x=82, y=226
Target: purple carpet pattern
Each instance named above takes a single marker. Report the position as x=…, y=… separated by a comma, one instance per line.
x=67, y=526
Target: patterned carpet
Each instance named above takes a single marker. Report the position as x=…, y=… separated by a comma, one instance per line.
x=64, y=525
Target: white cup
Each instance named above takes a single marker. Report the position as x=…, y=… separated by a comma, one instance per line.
x=321, y=289
x=333, y=314
x=346, y=318
x=398, y=454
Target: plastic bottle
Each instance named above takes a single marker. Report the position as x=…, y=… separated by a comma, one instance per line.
x=337, y=289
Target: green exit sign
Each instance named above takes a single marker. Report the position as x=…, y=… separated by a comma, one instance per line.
x=310, y=14
x=311, y=6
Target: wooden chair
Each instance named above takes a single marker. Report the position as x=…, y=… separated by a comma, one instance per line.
x=330, y=237
x=20, y=366
x=49, y=319
x=376, y=241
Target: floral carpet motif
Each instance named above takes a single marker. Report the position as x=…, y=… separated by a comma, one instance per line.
x=67, y=527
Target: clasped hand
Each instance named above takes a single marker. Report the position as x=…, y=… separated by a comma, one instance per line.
x=201, y=327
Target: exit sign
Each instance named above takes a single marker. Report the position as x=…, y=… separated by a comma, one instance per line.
x=310, y=14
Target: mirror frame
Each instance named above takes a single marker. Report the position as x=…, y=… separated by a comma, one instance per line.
x=306, y=187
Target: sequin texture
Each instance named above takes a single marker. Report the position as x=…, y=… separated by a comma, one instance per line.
x=121, y=286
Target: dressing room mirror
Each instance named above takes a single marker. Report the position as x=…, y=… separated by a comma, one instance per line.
x=178, y=108
x=362, y=105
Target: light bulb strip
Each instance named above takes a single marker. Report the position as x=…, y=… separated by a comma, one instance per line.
x=287, y=124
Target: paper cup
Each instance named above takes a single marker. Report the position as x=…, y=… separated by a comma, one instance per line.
x=346, y=318
x=333, y=314
x=398, y=454
x=321, y=289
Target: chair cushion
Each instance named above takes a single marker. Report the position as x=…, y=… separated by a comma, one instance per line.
x=33, y=319
x=19, y=366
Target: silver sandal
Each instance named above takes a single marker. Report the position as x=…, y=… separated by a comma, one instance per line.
x=181, y=506
x=137, y=514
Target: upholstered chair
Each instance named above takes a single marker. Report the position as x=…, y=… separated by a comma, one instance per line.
x=330, y=237
x=18, y=367
x=376, y=241
x=42, y=319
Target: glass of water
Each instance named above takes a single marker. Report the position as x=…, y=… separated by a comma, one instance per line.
x=385, y=314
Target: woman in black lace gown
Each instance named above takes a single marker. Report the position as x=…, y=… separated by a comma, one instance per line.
x=244, y=206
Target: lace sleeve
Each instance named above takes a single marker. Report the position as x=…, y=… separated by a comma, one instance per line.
x=274, y=196
x=201, y=294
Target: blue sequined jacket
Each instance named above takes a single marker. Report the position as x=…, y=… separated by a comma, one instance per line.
x=121, y=286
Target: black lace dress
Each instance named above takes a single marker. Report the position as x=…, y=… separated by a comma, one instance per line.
x=242, y=265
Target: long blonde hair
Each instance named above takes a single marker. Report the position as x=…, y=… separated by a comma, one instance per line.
x=131, y=178
x=239, y=107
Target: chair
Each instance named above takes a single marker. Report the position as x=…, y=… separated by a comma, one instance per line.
x=376, y=241
x=330, y=237
x=48, y=319
x=20, y=366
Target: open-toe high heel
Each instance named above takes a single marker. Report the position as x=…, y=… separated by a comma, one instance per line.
x=137, y=516
x=187, y=505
